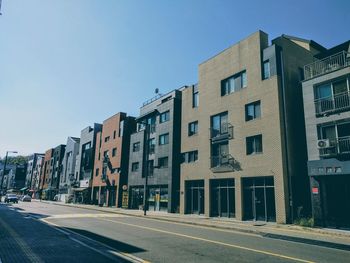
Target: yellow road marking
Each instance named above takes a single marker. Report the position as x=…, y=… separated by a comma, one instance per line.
x=212, y=241
x=112, y=250
x=21, y=243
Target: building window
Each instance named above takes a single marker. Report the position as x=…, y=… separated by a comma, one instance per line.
x=150, y=167
x=97, y=172
x=252, y=111
x=107, y=139
x=190, y=157
x=136, y=147
x=164, y=139
x=165, y=116
x=114, y=152
x=234, y=83
x=114, y=134
x=192, y=128
x=134, y=167
x=266, y=68
x=151, y=145
x=105, y=153
x=254, y=144
x=163, y=162
x=195, y=96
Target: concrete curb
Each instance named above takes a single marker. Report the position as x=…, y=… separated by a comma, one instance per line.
x=299, y=229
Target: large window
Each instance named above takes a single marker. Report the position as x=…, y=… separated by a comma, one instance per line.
x=164, y=139
x=163, y=162
x=190, y=157
x=136, y=147
x=135, y=167
x=165, y=116
x=151, y=145
x=252, y=111
x=254, y=144
x=266, y=68
x=114, y=152
x=219, y=124
x=234, y=83
x=192, y=128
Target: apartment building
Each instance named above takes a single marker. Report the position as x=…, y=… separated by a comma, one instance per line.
x=84, y=166
x=155, y=154
x=112, y=159
x=56, y=166
x=31, y=164
x=243, y=139
x=326, y=92
x=68, y=168
x=45, y=179
x=37, y=174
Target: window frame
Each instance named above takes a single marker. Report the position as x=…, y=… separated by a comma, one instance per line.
x=254, y=145
x=193, y=124
x=166, y=139
x=254, y=105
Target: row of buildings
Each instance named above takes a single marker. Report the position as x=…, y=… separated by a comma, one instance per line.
x=263, y=135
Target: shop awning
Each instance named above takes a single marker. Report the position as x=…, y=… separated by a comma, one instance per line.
x=24, y=188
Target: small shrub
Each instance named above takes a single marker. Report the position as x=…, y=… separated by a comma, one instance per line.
x=306, y=222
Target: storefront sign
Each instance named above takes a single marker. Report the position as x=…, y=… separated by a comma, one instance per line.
x=125, y=199
x=315, y=190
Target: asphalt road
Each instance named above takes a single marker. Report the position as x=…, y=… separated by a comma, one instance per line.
x=42, y=232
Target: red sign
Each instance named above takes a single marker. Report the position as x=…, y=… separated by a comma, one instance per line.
x=315, y=190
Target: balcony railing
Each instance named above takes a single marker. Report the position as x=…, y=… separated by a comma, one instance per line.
x=338, y=146
x=222, y=163
x=326, y=65
x=225, y=132
x=336, y=103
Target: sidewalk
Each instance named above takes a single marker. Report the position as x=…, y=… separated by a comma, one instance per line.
x=317, y=236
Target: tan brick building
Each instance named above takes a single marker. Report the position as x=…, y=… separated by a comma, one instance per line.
x=243, y=138
x=114, y=141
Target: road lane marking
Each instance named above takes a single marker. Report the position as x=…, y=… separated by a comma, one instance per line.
x=112, y=250
x=213, y=241
x=67, y=216
x=27, y=251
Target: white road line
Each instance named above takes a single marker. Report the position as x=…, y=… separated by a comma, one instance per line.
x=112, y=250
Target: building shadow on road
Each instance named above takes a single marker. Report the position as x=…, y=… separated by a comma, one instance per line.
x=116, y=244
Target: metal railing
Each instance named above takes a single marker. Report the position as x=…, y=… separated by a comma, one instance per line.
x=335, y=103
x=224, y=160
x=326, y=65
x=337, y=146
x=226, y=129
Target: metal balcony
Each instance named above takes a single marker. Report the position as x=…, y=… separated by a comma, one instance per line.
x=224, y=133
x=222, y=163
x=327, y=65
x=338, y=146
x=333, y=104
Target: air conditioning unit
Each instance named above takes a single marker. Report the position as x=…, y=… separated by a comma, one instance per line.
x=324, y=143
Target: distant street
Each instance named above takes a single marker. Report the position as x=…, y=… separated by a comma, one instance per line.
x=28, y=235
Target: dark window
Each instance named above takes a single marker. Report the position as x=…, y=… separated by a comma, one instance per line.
x=192, y=128
x=114, y=134
x=164, y=139
x=234, y=83
x=165, y=116
x=163, y=162
x=134, y=167
x=195, y=96
x=189, y=157
x=151, y=145
x=266, y=68
x=114, y=152
x=254, y=144
x=97, y=171
x=252, y=111
x=219, y=124
x=150, y=167
x=136, y=147
x=107, y=139
x=105, y=153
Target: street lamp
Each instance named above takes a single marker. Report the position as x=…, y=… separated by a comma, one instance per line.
x=4, y=170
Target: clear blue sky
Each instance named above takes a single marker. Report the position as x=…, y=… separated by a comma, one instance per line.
x=66, y=64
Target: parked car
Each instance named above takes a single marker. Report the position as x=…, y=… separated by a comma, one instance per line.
x=11, y=198
x=26, y=198
x=55, y=198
